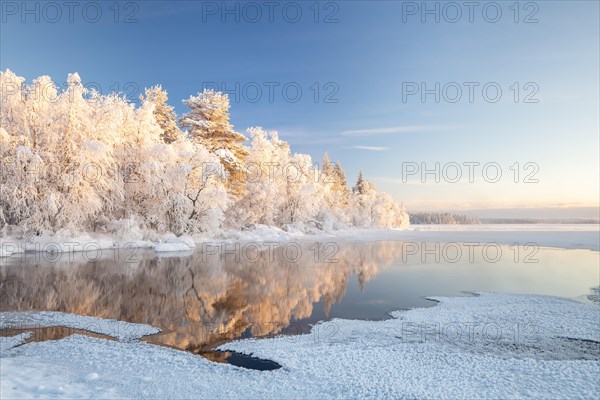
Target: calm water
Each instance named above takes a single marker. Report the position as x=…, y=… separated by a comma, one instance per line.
x=214, y=295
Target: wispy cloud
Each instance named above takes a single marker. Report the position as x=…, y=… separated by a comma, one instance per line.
x=299, y=136
x=391, y=130
x=370, y=148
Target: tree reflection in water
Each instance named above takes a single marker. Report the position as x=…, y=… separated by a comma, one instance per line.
x=198, y=299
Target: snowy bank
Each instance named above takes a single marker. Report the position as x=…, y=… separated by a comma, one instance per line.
x=576, y=236
x=175, y=244
x=511, y=346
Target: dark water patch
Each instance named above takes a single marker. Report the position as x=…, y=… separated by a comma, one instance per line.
x=240, y=360
x=223, y=357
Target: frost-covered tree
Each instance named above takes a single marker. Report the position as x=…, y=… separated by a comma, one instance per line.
x=340, y=186
x=263, y=183
x=163, y=112
x=50, y=152
x=40, y=98
x=208, y=124
x=17, y=193
x=301, y=190
x=77, y=160
x=19, y=190
x=333, y=213
x=13, y=107
x=176, y=195
x=76, y=197
x=371, y=208
x=362, y=186
x=326, y=183
x=280, y=188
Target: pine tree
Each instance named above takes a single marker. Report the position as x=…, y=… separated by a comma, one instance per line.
x=208, y=124
x=340, y=185
x=164, y=113
x=334, y=185
x=327, y=171
x=362, y=185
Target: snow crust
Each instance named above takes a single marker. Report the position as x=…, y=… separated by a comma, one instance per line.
x=11, y=341
x=345, y=358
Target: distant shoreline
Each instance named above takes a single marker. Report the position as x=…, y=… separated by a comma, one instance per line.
x=425, y=218
x=538, y=221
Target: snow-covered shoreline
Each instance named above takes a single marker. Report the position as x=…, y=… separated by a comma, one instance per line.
x=568, y=236
x=493, y=345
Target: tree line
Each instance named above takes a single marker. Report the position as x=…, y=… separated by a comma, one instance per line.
x=76, y=160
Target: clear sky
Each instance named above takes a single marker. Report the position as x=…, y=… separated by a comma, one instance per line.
x=361, y=67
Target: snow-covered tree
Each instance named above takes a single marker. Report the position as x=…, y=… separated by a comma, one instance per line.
x=335, y=196
x=208, y=124
x=340, y=185
x=77, y=160
x=371, y=208
x=163, y=112
x=301, y=194
x=17, y=191
x=176, y=195
x=40, y=98
x=263, y=183
x=362, y=186
x=12, y=101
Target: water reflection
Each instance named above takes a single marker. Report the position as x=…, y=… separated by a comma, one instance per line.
x=198, y=299
x=210, y=296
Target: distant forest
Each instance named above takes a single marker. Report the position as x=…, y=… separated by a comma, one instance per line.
x=428, y=218
x=423, y=218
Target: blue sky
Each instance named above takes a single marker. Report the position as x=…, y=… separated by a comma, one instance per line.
x=363, y=61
